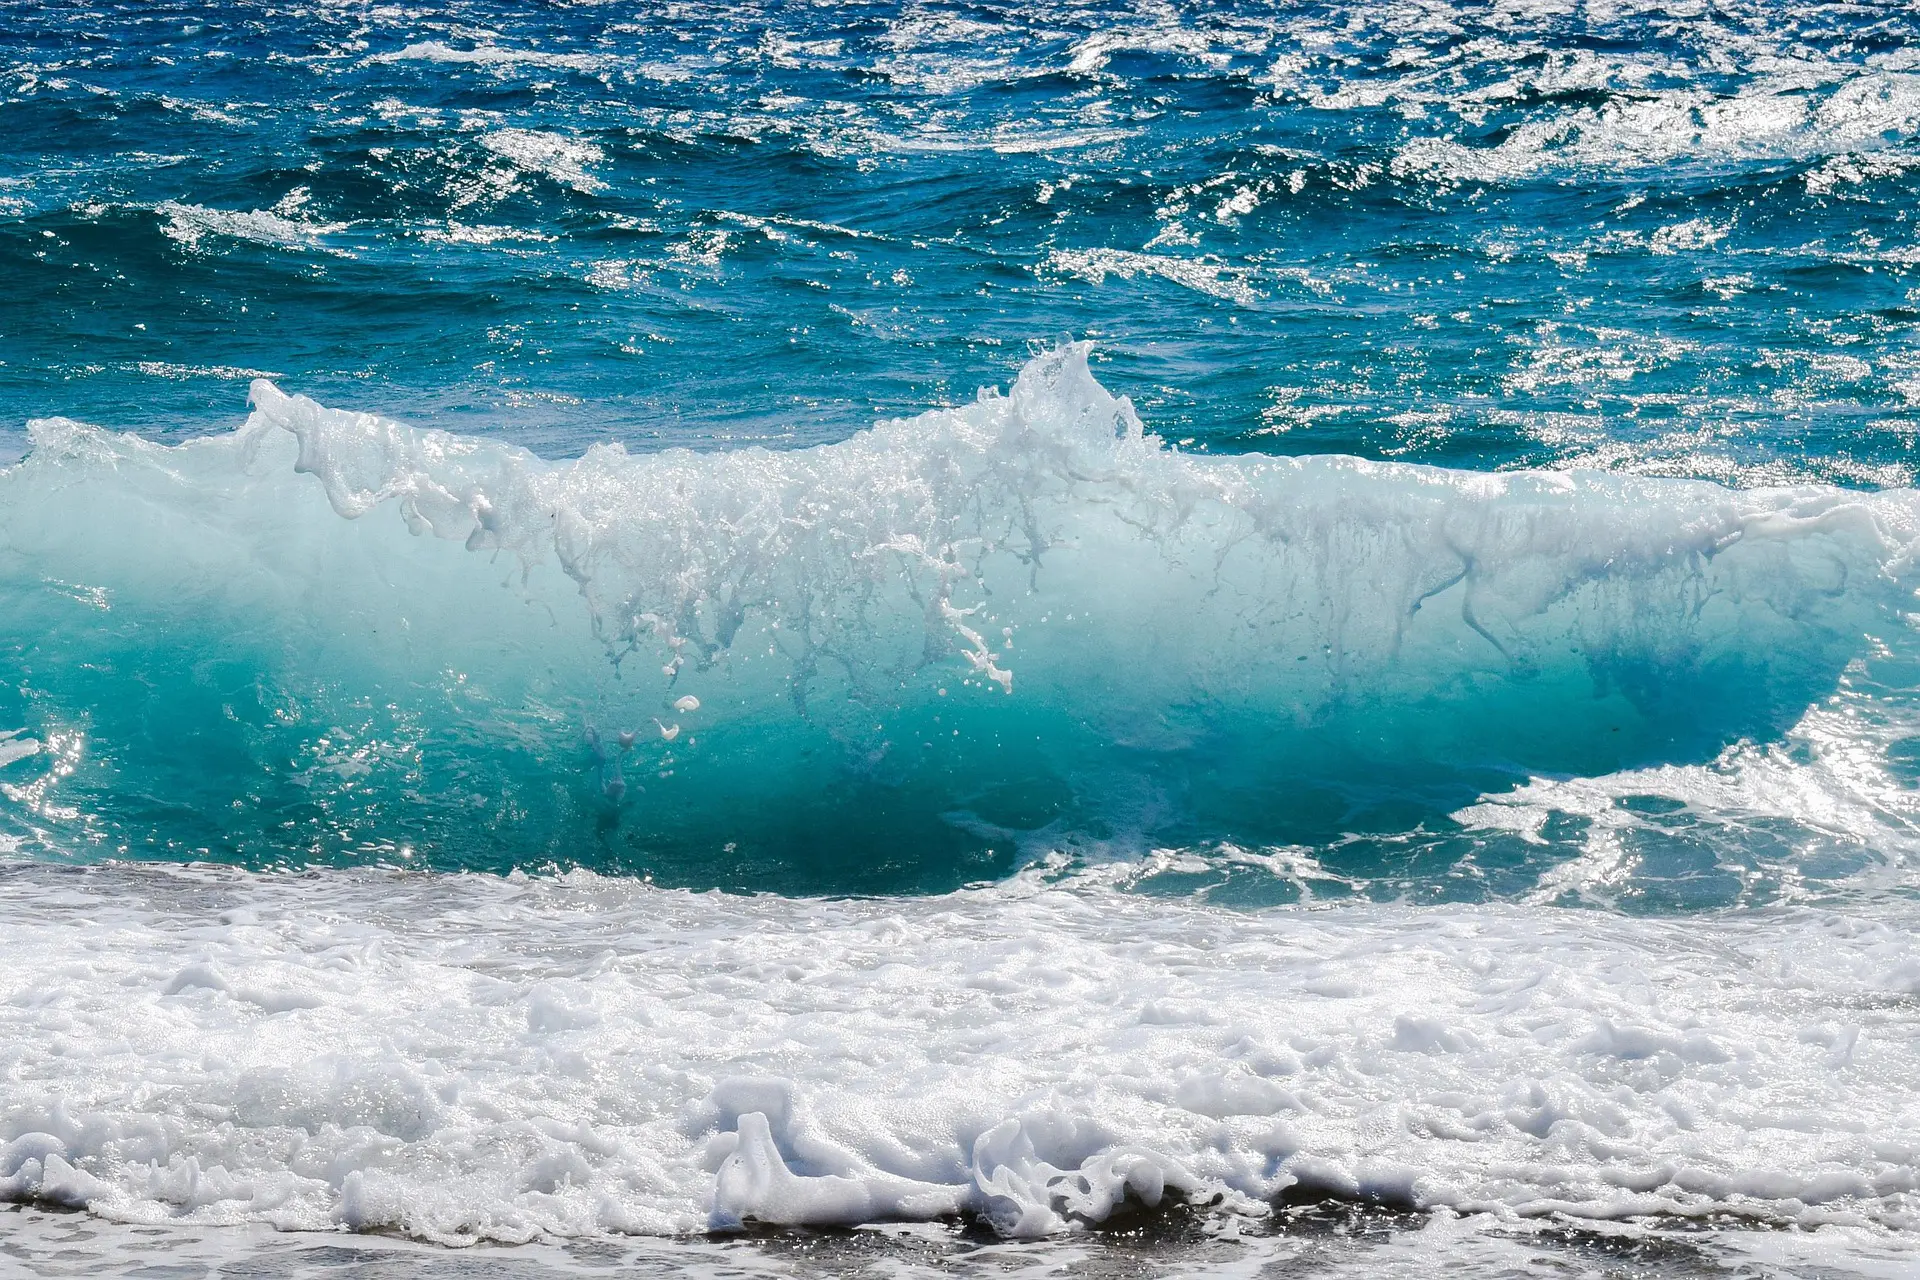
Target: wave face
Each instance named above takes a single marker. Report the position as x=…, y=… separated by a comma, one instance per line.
x=969, y=636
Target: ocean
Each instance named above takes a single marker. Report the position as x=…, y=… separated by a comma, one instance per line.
x=822, y=639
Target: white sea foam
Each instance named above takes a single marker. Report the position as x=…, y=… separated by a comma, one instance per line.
x=14, y=745
x=473, y=1058
x=1830, y=778
x=1018, y=139
x=565, y=160
x=180, y=372
x=191, y=225
x=493, y=56
x=1864, y=112
x=1212, y=49
x=453, y=232
x=1209, y=276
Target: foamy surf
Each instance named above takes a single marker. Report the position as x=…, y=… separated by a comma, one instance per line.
x=484, y=1059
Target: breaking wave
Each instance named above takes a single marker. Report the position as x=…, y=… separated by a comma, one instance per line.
x=904, y=660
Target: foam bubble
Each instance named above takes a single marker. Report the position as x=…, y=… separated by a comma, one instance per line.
x=492, y=56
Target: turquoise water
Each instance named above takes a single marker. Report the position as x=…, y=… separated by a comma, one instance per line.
x=1382, y=538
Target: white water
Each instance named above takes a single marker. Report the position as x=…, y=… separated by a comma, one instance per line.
x=471, y=1058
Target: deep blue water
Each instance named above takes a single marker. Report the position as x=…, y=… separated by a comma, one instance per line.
x=1656, y=237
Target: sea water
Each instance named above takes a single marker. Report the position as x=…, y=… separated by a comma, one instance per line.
x=805, y=639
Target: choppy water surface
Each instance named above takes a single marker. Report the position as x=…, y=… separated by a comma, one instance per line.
x=1671, y=237
x=1355, y=712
